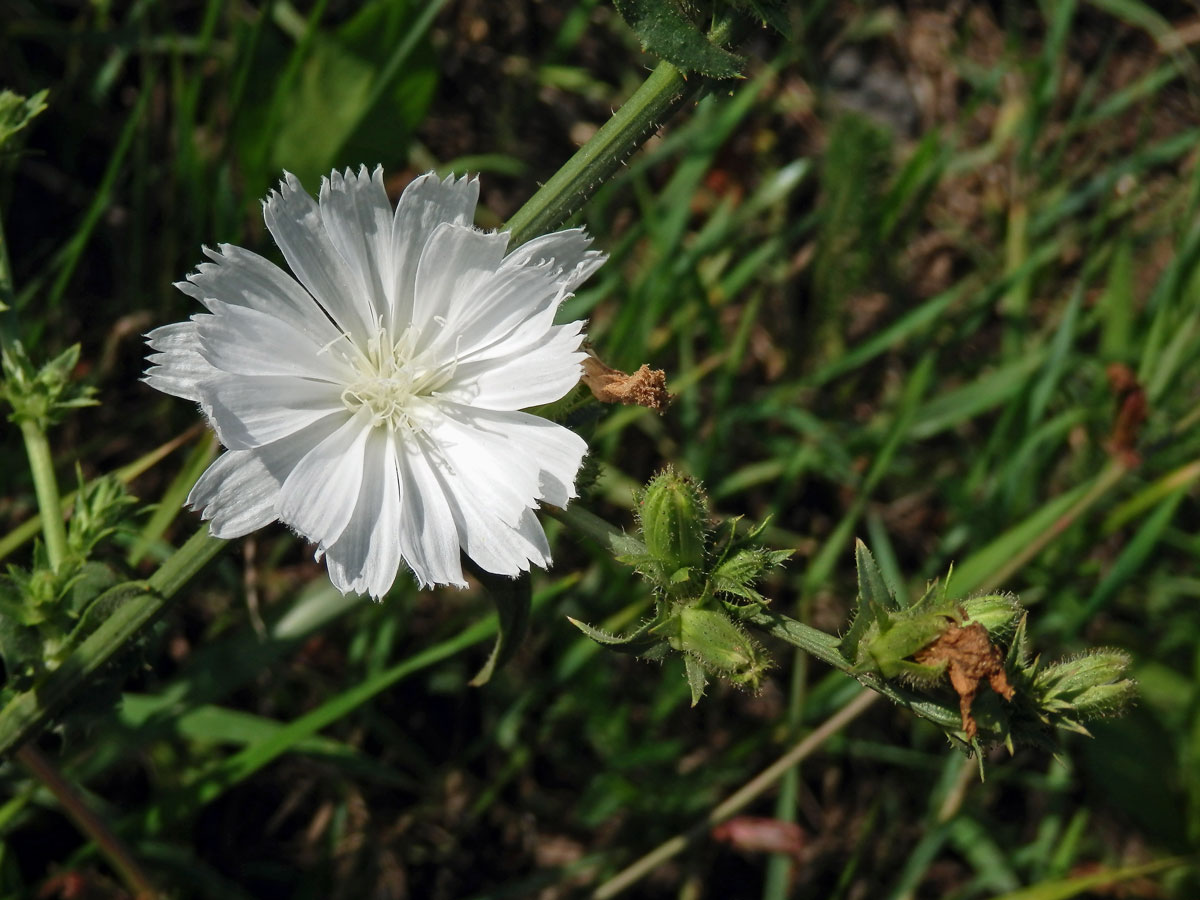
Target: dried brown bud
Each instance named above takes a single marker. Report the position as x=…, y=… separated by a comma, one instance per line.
x=645, y=387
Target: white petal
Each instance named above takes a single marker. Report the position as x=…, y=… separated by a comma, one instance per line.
x=486, y=314
x=526, y=377
x=237, y=493
x=248, y=342
x=319, y=496
x=240, y=491
x=358, y=220
x=533, y=456
x=177, y=368
x=428, y=535
x=425, y=204
x=568, y=249
x=497, y=546
x=490, y=499
x=241, y=278
x=294, y=220
x=457, y=261
x=250, y=410
x=366, y=557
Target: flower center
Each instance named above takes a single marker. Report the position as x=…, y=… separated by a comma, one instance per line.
x=394, y=383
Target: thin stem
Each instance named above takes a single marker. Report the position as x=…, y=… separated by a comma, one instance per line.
x=118, y=855
x=46, y=486
x=27, y=713
x=738, y=800
x=660, y=95
x=811, y=640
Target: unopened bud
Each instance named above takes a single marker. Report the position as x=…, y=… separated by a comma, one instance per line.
x=998, y=613
x=1089, y=685
x=720, y=645
x=674, y=523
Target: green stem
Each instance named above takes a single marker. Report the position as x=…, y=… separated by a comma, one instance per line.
x=46, y=486
x=811, y=640
x=26, y=714
x=660, y=96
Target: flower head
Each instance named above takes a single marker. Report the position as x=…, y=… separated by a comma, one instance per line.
x=371, y=402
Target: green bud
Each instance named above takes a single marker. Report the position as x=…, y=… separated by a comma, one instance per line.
x=1087, y=686
x=997, y=613
x=719, y=644
x=674, y=524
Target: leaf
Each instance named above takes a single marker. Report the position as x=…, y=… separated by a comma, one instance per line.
x=638, y=642
x=103, y=607
x=695, y=676
x=1072, y=887
x=873, y=592
x=772, y=13
x=513, y=598
x=16, y=112
x=20, y=645
x=348, y=95
x=664, y=30
x=93, y=579
x=737, y=574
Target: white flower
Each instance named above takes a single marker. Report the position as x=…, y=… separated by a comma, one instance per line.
x=371, y=403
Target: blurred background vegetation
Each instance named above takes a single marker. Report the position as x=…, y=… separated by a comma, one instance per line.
x=927, y=275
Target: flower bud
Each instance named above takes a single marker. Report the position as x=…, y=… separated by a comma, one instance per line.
x=720, y=645
x=997, y=613
x=674, y=523
x=1088, y=685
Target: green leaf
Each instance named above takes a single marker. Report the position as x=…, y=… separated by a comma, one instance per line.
x=93, y=579
x=665, y=30
x=638, y=642
x=103, y=608
x=1073, y=887
x=16, y=112
x=513, y=598
x=20, y=644
x=737, y=574
x=348, y=95
x=873, y=592
x=695, y=676
x=772, y=13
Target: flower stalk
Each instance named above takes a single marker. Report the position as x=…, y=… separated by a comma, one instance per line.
x=663, y=93
x=45, y=485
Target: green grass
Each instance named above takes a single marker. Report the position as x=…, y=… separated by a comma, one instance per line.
x=896, y=335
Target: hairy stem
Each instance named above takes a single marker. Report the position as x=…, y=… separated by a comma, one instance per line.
x=660, y=96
